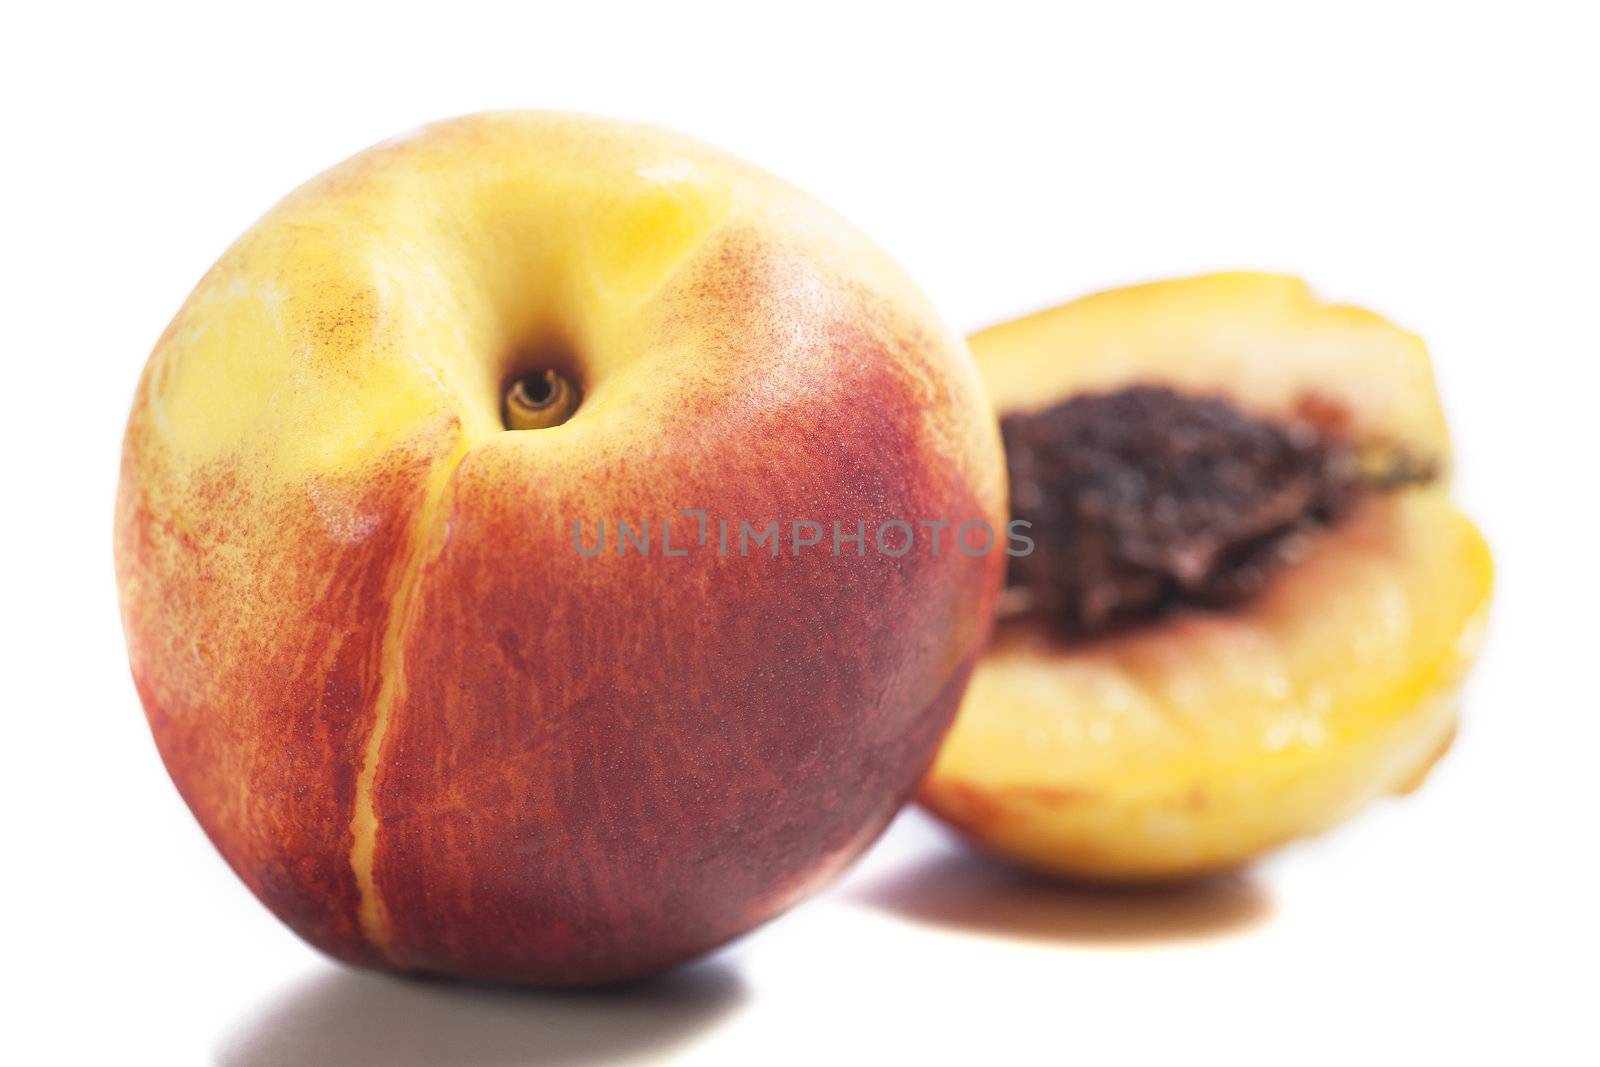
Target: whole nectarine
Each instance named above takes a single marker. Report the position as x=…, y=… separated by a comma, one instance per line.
x=513, y=549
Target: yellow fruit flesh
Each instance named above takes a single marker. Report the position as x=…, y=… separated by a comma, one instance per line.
x=1263, y=340
x=1193, y=743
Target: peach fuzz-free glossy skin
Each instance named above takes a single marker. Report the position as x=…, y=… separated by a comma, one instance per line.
x=421, y=727
x=1194, y=743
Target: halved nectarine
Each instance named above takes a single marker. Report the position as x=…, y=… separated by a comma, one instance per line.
x=1194, y=737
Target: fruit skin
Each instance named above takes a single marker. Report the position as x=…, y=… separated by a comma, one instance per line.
x=1195, y=743
x=425, y=731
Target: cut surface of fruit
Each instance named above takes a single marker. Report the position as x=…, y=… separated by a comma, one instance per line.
x=1263, y=340
x=1194, y=741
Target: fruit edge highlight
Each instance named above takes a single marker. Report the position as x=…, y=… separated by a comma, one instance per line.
x=1137, y=719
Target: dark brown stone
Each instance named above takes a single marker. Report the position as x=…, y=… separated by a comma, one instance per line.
x=1146, y=498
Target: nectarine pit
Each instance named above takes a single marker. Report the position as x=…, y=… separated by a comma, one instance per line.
x=1145, y=499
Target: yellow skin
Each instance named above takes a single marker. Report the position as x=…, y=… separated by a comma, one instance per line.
x=1197, y=742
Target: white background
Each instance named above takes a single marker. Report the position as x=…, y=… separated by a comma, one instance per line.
x=1436, y=163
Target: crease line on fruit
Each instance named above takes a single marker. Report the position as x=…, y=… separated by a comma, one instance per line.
x=372, y=914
